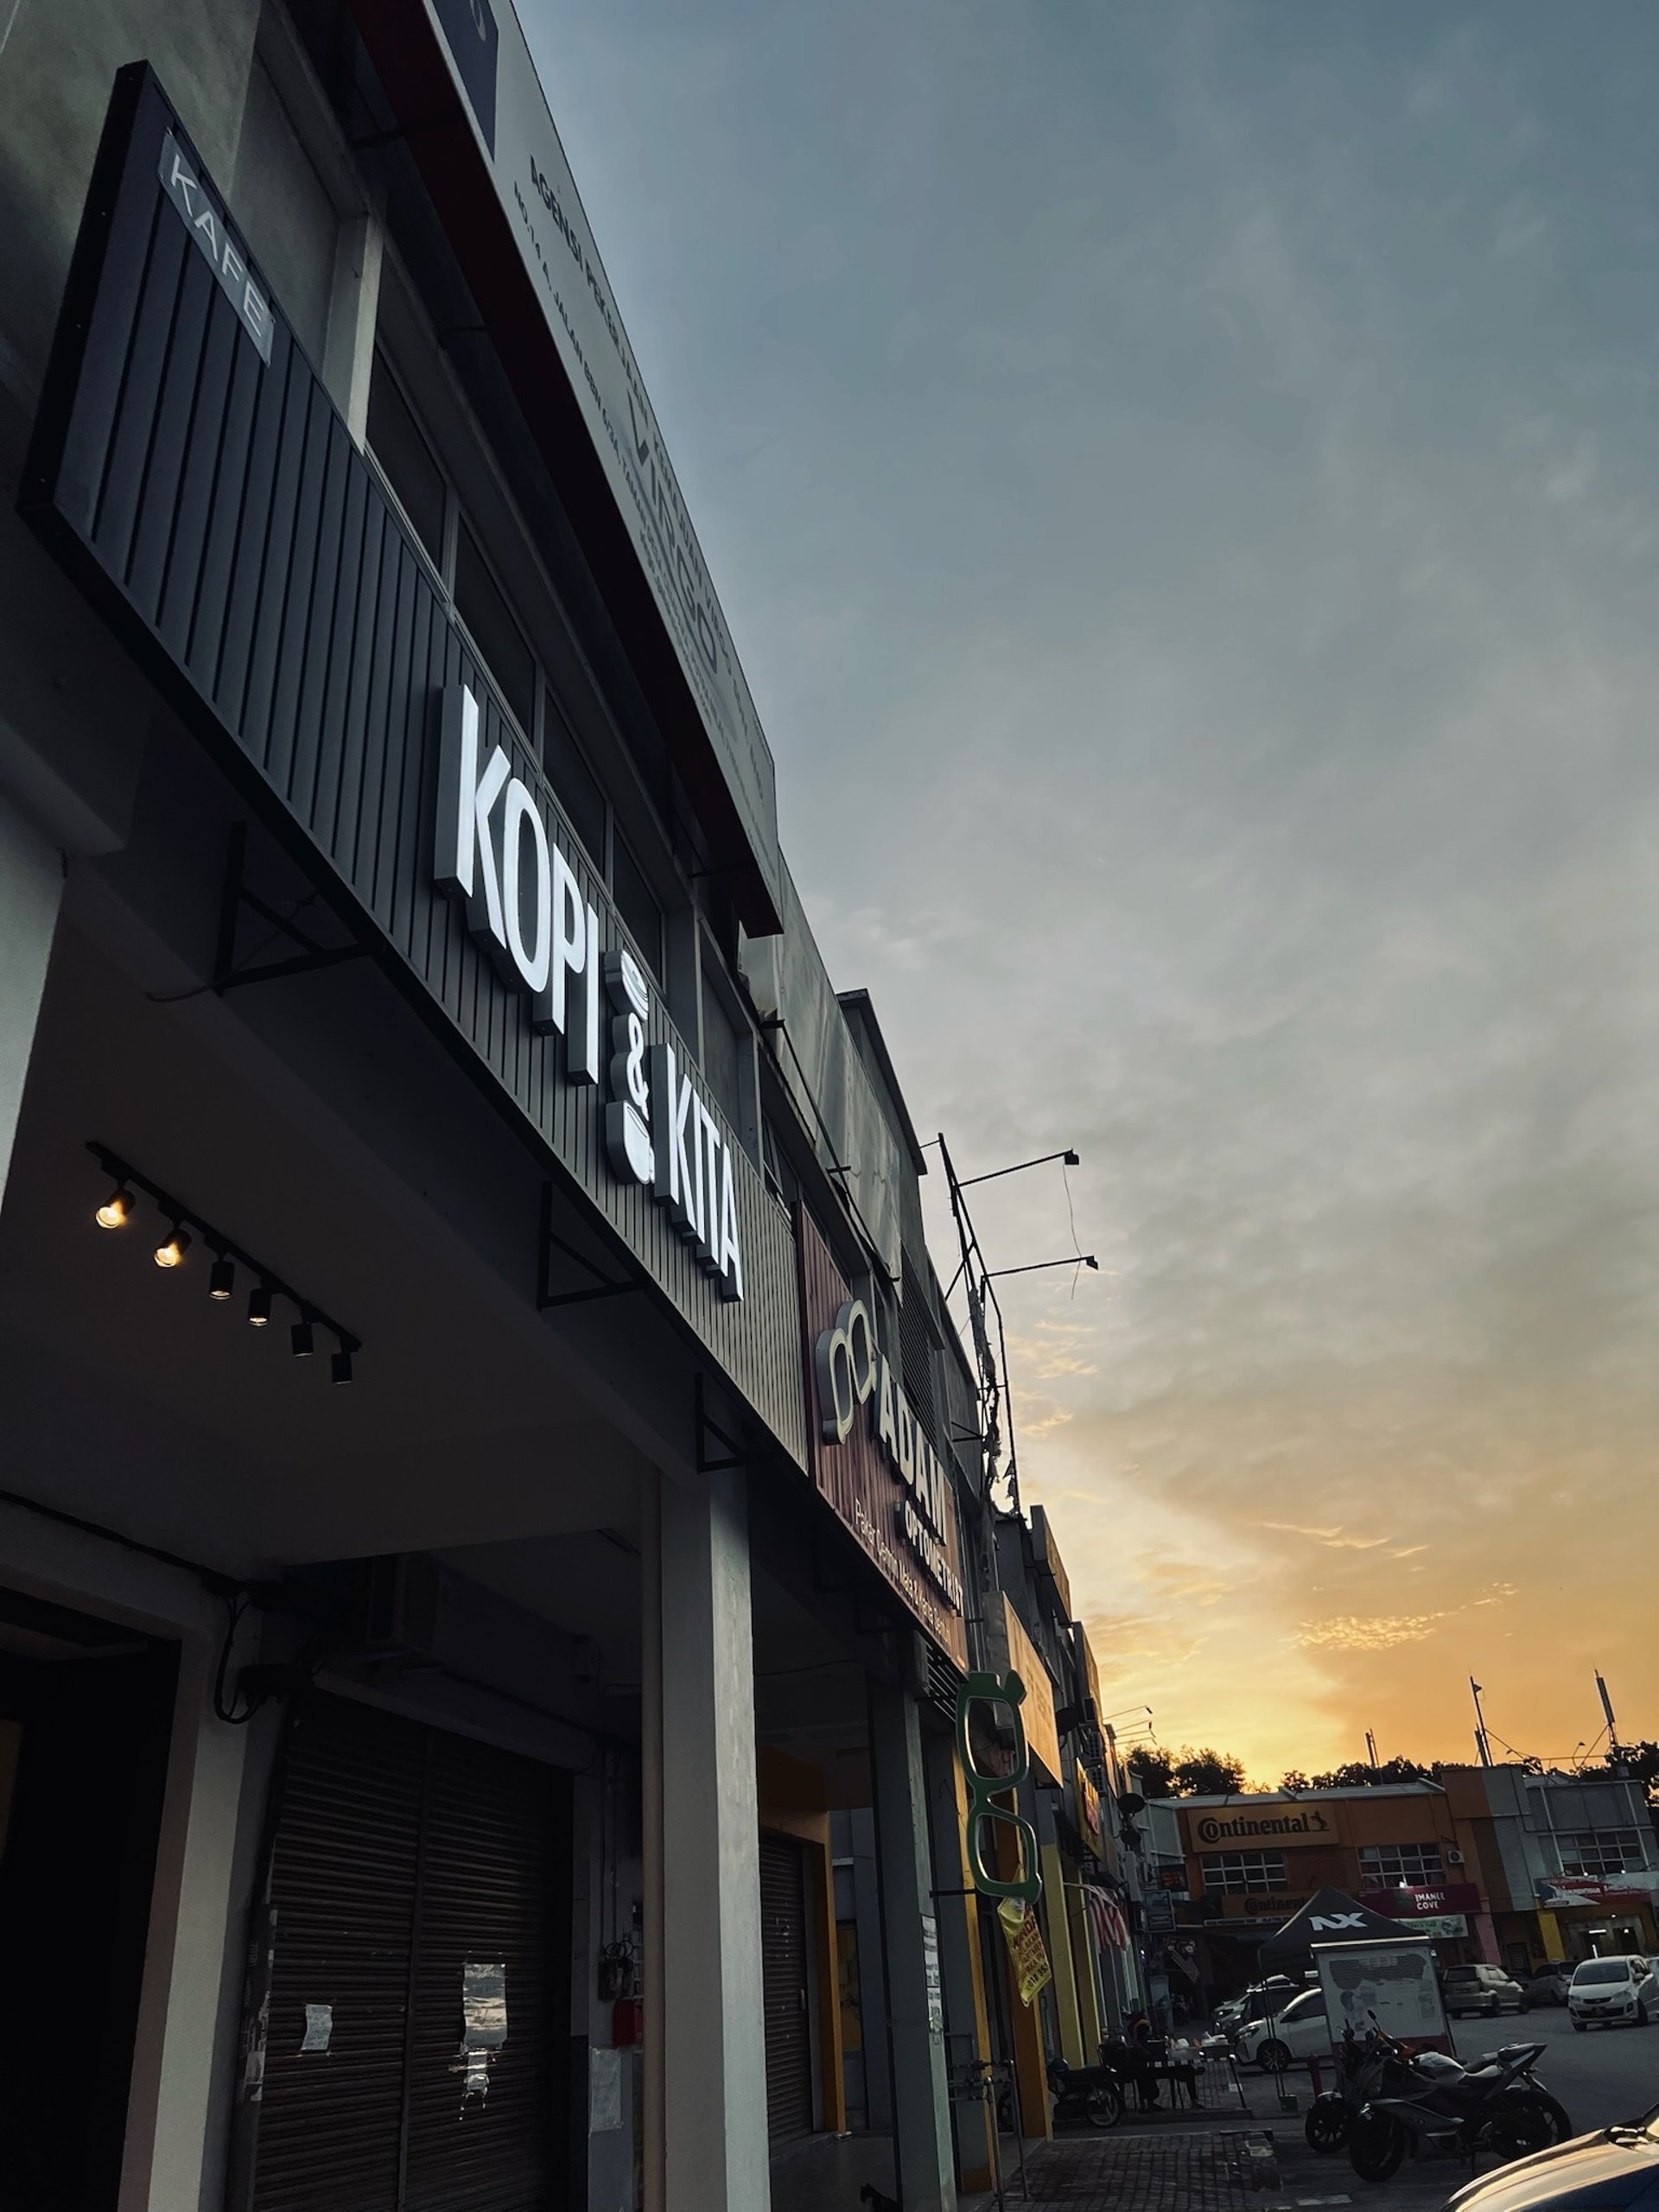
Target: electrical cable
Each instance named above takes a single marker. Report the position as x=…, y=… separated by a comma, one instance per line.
x=200, y=990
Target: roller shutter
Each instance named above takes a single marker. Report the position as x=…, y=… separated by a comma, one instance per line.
x=785, y=1984
x=402, y=1855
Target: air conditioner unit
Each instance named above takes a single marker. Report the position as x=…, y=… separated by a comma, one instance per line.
x=1454, y=1857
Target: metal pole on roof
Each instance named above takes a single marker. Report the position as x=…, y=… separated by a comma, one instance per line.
x=1481, y=1744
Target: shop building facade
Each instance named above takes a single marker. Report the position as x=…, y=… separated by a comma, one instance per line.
x=1254, y=1859
x=494, y=1497
x=1569, y=1860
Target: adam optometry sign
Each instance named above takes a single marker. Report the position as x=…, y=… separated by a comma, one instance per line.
x=870, y=1455
x=853, y=1373
x=523, y=900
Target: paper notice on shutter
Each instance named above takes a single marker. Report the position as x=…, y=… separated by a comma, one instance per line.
x=483, y=2007
x=319, y=2027
x=484, y=2022
x=604, y=2090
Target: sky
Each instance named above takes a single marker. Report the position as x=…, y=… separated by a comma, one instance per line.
x=1184, y=481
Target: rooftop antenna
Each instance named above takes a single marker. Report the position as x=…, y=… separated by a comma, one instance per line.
x=1607, y=1707
x=1481, y=1744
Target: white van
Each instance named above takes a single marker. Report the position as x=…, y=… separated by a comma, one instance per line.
x=1623, y=1989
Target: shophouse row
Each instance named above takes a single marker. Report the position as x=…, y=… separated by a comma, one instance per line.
x=1499, y=1865
x=497, y=1525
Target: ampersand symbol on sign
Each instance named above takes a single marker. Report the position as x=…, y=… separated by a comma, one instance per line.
x=638, y=1087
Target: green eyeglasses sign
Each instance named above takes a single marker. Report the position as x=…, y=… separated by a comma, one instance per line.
x=993, y=1702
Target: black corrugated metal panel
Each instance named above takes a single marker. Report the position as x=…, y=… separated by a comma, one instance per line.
x=214, y=508
x=917, y=1353
x=785, y=1987
x=344, y=1885
x=495, y=1889
x=403, y=1855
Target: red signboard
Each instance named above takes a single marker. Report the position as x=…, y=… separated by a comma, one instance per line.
x=1424, y=1903
x=869, y=1454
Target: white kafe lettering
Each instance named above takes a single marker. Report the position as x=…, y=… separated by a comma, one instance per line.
x=521, y=896
x=214, y=237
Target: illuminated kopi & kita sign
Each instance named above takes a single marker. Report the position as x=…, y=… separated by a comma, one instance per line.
x=494, y=854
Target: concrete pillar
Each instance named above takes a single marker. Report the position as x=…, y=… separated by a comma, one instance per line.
x=1082, y=1954
x=706, y=2084
x=926, y=2165
x=967, y=2025
x=872, y=1975
x=1057, y=1928
x=31, y=889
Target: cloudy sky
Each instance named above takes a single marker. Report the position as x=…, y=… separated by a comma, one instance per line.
x=1184, y=478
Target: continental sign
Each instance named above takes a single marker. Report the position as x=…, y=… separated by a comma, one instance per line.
x=1252, y=1831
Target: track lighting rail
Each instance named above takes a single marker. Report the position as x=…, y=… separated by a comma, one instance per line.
x=185, y=1226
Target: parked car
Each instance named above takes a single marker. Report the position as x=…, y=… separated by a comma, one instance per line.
x=1481, y=1989
x=1301, y=2031
x=1615, y=2170
x=1548, y=1987
x=1622, y=1991
x=1260, y=1998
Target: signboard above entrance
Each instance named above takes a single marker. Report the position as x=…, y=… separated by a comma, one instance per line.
x=870, y=1455
x=191, y=473
x=1256, y=1831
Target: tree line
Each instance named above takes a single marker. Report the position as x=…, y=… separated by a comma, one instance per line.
x=1203, y=1772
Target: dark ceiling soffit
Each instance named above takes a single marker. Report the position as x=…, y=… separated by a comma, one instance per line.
x=404, y=49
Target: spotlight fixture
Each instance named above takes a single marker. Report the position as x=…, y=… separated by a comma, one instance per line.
x=183, y=1226
x=171, y=1251
x=116, y=1210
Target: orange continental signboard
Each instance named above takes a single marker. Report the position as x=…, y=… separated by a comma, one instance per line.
x=1038, y=1711
x=1266, y=1827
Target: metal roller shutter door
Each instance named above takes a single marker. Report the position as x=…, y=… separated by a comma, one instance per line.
x=785, y=1989
x=402, y=1853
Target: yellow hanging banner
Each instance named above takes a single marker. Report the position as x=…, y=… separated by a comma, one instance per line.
x=1032, y=1971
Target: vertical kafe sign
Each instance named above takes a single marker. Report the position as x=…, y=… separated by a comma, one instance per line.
x=497, y=855
x=491, y=67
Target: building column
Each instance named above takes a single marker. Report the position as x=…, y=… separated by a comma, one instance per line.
x=31, y=890
x=968, y=2035
x=926, y=2168
x=1057, y=1928
x=1084, y=1960
x=706, y=2079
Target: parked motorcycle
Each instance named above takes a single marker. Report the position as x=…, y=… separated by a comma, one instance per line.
x=1366, y=2067
x=1438, y=2108
x=1093, y=2093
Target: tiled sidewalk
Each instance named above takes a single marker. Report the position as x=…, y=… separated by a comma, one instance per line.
x=1183, y=2172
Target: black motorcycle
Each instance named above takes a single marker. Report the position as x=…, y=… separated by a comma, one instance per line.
x=1436, y=2108
x=1093, y=2093
x=1366, y=2067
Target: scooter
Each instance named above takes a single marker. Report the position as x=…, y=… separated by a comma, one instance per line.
x=1441, y=2108
x=1093, y=2093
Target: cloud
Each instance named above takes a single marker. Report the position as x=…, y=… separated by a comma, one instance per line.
x=1185, y=498
x=1346, y=1633
x=1337, y=1538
